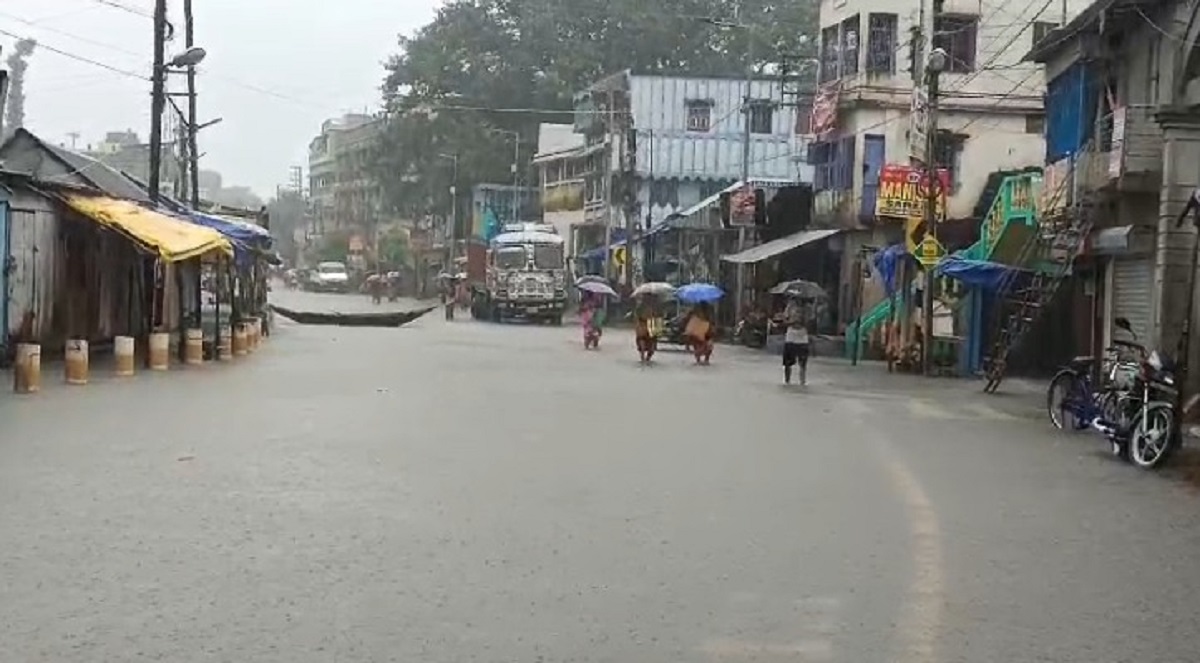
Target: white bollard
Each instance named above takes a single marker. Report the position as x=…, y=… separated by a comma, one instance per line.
x=76, y=357
x=124, y=354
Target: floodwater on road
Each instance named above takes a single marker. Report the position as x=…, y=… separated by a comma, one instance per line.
x=460, y=491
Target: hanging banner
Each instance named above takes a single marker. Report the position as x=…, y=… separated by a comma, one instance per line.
x=1116, y=155
x=903, y=193
x=823, y=119
x=742, y=206
x=918, y=123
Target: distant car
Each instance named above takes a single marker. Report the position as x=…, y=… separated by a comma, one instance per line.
x=329, y=277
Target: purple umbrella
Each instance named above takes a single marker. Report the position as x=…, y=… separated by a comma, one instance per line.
x=598, y=288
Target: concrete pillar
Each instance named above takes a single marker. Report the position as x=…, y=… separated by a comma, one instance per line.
x=193, y=347
x=77, y=360
x=123, y=353
x=1173, y=250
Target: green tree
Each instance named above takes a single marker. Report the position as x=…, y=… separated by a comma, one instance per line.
x=536, y=55
x=393, y=249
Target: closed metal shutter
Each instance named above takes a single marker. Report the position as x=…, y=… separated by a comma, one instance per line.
x=1133, y=283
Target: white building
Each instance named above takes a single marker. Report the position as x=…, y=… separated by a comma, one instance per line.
x=668, y=146
x=991, y=103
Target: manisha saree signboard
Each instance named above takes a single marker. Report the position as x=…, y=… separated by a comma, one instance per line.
x=902, y=192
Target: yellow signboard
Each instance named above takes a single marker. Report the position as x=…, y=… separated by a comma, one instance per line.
x=930, y=251
x=619, y=256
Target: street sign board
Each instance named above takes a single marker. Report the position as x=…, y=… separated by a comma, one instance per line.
x=930, y=251
x=619, y=256
x=904, y=192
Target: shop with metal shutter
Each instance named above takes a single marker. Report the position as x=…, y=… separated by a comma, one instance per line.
x=1132, y=283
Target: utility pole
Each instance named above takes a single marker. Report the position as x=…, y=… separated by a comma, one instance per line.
x=516, y=177
x=189, y=35
x=157, y=96
x=739, y=296
x=933, y=186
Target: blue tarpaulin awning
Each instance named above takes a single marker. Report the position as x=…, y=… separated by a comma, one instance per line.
x=978, y=273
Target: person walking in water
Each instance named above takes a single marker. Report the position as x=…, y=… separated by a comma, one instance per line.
x=592, y=316
x=795, y=343
x=644, y=329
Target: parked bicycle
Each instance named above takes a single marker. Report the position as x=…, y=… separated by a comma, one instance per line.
x=1074, y=401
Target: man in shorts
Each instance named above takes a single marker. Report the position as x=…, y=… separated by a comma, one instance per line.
x=795, y=343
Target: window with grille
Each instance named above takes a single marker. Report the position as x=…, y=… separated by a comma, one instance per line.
x=762, y=115
x=958, y=35
x=850, y=28
x=1041, y=29
x=699, y=115
x=881, y=43
x=830, y=54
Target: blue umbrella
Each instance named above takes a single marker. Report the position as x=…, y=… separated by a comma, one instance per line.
x=698, y=293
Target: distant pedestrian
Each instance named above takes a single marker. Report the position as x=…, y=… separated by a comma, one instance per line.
x=795, y=342
x=699, y=332
x=645, y=335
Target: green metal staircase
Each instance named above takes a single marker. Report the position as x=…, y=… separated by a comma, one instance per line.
x=1005, y=231
x=1049, y=255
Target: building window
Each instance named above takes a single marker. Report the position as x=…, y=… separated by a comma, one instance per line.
x=833, y=164
x=850, y=30
x=1041, y=29
x=958, y=36
x=699, y=115
x=948, y=152
x=881, y=43
x=762, y=116
x=830, y=54
x=1035, y=123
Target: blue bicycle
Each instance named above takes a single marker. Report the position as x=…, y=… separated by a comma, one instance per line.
x=1071, y=400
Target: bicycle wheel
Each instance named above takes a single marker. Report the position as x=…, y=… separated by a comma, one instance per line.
x=1062, y=400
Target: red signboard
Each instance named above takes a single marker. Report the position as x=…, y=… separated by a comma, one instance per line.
x=742, y=206
x=903, y=192
x=823, y=119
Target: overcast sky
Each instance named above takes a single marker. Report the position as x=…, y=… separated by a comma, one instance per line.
x=275, y=70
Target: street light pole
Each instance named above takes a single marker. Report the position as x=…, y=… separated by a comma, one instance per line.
x=157, y=96
x=933, y=191
x=739, y=296
x=192, y=129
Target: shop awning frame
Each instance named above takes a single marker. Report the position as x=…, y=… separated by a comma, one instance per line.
x=779, y=246
x=170, y=238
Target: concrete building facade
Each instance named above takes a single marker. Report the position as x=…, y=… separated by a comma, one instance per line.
x=1123, y=137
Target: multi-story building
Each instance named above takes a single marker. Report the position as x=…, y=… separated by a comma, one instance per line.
x=568, y=171
x=1123, y=150
x=668, y=146
x=124, y=151
x=342, y=193
x=872, y=58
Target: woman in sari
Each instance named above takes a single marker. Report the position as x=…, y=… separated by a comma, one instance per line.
x=592, y=317
x=644, y=329
x=699, y=333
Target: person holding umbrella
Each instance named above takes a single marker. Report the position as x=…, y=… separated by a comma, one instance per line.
x=646, y=322
x=795, y=341
x=592, y=311
x=699, y=331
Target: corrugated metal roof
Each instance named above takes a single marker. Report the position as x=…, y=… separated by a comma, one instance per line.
x=665, y=148
x=782, y=245
x=555, y=138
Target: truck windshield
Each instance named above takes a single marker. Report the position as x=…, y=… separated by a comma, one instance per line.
x=548, y=256
x=510, y=257
x=331, y=268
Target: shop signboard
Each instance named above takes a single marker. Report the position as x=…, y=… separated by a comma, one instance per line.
x=903, y=192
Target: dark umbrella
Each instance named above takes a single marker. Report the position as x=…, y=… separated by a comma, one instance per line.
x=800, y=289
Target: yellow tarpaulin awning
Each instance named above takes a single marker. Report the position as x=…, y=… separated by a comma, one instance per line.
x=169, y=238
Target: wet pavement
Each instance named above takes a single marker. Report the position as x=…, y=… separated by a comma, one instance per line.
x=475, y=492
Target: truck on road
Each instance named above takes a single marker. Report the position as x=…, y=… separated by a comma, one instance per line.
x=525, y=276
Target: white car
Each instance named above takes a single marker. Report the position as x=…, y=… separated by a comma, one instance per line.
x=330, y=277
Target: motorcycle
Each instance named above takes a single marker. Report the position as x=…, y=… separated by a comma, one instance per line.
x=753, y=331
x=1143, y=424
